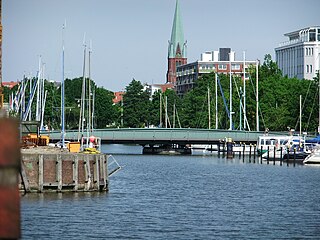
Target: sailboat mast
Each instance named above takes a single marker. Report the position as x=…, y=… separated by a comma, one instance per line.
x=216, y=86
x=257, y=95
x=160, y=123
x=62, y=94
x=244, y=90
x=300, y=115
x=38, y=91
x=230, y=94
x=209, y=112
x=174, y=114
x=83, y=95
x=89, y=92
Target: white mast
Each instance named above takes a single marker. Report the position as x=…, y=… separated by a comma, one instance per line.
x=257, y=94
x=230, y=96
x=38, y=92
x=174, y=114
x=160, y=123
x=209, y=112
x=89, y=91
x=62, y=93
x=244, y=90
x=300, y=116
x=166, y=111
x=216, y=86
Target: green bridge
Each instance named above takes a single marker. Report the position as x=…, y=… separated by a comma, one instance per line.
x=182, y=136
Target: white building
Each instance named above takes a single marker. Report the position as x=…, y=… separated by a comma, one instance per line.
x=299, y=56
x=211, y=61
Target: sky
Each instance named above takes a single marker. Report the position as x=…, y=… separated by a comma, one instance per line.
x=129, y=38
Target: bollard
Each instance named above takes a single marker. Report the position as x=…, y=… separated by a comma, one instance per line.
x=274, y=155
x=243, y=150
x=229, y=148
x=9, y=172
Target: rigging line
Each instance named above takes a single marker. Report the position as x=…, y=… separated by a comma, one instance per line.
x=254, y=92
x=313, y=103
x=198, y=122
x=241, y=104
x=304, y=101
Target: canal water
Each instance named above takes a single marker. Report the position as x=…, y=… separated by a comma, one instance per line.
x=183, y=197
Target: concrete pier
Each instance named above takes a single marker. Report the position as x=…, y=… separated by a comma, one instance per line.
x=61, y=171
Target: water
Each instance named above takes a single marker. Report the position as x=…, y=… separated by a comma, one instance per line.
x=183, y=197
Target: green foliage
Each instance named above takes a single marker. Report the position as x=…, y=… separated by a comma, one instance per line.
x=136, y=105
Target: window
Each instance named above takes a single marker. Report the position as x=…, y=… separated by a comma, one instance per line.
x=222, y=66
x=310, y=68
x=235, y=66
x=312, y=35
x=307, y=69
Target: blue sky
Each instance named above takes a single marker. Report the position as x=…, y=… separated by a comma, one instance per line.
x=130, y=37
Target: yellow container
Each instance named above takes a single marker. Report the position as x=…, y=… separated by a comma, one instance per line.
x=74, y=147
x=43, y=140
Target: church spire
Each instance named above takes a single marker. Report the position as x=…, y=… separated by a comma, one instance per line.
x=176, y=44
x=177, y=49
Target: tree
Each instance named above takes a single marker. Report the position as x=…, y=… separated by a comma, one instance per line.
x=136, y=105
x=106, y=113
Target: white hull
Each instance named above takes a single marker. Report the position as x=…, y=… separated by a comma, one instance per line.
x=313, y=158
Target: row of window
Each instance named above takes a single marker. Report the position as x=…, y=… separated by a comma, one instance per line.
x=309, y=51
x=309, y=68
x=233, y=66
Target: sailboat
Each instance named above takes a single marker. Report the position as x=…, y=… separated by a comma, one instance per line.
x=88, y=141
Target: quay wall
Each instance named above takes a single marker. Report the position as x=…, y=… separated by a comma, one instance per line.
x=61, y=172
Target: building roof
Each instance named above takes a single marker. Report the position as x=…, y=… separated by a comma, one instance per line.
x=176, y=44
x=296, y=34
x=9, y=84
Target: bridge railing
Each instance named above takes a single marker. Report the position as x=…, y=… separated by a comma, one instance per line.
x=159, y=135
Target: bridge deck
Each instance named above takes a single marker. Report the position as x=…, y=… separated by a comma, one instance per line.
x=145, y=136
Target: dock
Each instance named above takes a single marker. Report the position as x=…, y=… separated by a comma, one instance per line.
x=47, y=169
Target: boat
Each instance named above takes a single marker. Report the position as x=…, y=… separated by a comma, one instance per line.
x=269, y=142
x=313, y=158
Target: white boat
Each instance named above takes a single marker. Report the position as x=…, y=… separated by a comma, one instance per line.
x=313, y=158
x=269, y=142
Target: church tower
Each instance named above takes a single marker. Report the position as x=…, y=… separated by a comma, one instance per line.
x=177, y=49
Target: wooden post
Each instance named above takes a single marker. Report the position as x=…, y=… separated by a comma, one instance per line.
x=254, y=153
x=87, y=173
x=274, y=155
x=281, y=157
x=261, y=154
x=96, y=175
x=40, y=187
x=59, y=172
x=10, y=159
x=268, y=156
x=75, y=172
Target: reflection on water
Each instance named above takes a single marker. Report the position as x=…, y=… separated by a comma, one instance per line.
x=183, y=197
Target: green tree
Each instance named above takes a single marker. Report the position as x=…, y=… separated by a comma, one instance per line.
x=136, y=105
x=105, y=111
